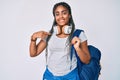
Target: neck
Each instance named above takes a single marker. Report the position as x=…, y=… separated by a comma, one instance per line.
x=61, y=29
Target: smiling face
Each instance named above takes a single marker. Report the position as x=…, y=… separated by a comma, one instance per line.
x=62, y=15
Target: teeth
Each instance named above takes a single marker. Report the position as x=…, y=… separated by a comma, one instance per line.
x=61, y=20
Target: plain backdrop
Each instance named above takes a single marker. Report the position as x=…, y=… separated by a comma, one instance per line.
x=19, y=19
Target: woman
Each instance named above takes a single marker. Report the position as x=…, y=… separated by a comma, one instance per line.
x=58, y=43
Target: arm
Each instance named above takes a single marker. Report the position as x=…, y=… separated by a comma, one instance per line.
x=36, y=49
x=81, y=49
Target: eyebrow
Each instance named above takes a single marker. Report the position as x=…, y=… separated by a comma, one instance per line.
x=62, y=11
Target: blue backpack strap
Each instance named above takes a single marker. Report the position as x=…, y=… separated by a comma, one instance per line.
x=76, y=33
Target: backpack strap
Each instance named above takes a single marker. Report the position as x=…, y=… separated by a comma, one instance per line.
x=77, y=34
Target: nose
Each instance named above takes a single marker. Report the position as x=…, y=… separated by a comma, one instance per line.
x=61, y=15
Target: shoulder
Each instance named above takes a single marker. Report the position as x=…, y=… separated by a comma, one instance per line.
x=81, y=33
x=78, y=31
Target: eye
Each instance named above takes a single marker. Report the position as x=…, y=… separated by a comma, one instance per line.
x=65, y=12
x=56, y=14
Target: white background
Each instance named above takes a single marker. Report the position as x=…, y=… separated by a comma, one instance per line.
x=20, y=18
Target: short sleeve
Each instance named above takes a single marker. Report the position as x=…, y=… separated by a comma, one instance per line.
x=82, y=37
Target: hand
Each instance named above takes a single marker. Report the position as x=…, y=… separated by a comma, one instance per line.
x=40, y=34
x=76, y=42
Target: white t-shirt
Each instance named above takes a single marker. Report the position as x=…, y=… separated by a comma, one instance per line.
x=58, y=59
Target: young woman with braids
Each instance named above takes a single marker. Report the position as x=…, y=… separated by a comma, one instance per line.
x=58, y=43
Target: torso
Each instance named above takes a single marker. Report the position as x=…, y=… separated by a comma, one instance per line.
x=58, y=61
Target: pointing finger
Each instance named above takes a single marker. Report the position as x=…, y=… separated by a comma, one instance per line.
x=47, y=33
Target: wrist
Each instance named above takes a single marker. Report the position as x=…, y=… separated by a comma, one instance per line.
x=33, y=39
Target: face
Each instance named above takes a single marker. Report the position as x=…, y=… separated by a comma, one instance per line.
x=62, y=16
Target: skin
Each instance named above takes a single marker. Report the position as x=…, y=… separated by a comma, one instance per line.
x=62, y=18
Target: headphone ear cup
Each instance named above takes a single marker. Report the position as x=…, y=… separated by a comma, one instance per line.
x=56, y=30
x=67, y=29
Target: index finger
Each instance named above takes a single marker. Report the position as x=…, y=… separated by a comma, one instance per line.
x=47, y=33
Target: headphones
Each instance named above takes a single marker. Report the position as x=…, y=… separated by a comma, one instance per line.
x=67, y=29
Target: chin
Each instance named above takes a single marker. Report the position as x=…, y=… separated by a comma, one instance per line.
x=62, y=24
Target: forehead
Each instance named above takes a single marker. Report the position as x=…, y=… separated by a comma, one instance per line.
x=61, y=8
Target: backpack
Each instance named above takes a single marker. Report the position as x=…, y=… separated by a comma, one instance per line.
x=91, y=70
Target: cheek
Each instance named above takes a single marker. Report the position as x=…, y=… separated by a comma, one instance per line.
x=56, y=18
x=67, y=17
